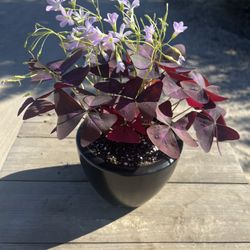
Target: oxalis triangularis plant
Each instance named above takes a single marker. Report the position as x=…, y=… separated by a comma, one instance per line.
x=126, y=82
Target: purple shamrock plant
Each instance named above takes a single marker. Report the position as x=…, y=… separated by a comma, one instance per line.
x=126, y=83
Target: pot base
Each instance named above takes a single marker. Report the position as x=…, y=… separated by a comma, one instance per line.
x=125, y=187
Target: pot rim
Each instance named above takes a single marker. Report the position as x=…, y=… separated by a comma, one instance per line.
x=151, y=168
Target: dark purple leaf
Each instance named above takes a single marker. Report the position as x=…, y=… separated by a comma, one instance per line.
x=25, y=105
x=103, y=121
x=163, y=137
x=66, y=123
x=166, y=108
x=189, y=119
x=127, y=109
x=164, y=112
x=185, y=137
x=94, y=125
x=123, y=133
x=101, y=70
x=212, y=92
x=171, y=89
x=216, y=113
x=111, y=86
x=96, y=101
x=65, y=104
x=205, y=131
x=225, y=133
x=151, y=93
x=138, y=126
x=70, y=61
x=89, y=132
x=76, y=76
x=180, y=129
x=148, y=110
x=38, y=107
x=132, y=87
x=195, y=92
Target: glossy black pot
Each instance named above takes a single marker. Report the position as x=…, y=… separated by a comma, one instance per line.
x=125, y=188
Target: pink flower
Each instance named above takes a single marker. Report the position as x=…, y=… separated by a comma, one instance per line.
x=112, y=19
x=65, y=18
x=179, y=28
x=149, y=30
x=54, y=5
x=109, y=42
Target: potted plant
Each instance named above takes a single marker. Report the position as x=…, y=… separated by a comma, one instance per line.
x=125, y=86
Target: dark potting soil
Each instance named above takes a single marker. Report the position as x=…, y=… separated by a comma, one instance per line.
x=127, y=156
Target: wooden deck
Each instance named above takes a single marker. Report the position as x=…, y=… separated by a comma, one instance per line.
x=46, y=202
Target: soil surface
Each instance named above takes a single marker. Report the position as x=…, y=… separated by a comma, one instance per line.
x=125, y=156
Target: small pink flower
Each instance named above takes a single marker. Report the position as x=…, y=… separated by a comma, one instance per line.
x=179, y=28
x=112, y=19
x=109, y=42
x=54, y=5
x=65, y=18
x=149, y=31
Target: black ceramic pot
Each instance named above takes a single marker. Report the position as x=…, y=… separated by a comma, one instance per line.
x=121, y=187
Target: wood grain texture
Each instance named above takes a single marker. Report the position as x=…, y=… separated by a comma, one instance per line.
x=129, y=246
x=32, y=212
x=49, y=159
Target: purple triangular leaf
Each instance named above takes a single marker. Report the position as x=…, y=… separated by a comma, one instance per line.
x=123, y=134
x=101, y=70
x=103, y=121
x=180, y=129
x=96, y=101
x=65, y=104
x=164, y=139
x=151, y=93
x=171, y=89
x=205, y=131
x=132, y=87
x=166, y=108
x=89, y=132
x=148, y=110
x=67, y=123
x=111, y=86
x=26, y=103
x=70, y=61
x=224, y=133
x=194, y=91
x=38, y=107
x=76, y=76
x=127, y=109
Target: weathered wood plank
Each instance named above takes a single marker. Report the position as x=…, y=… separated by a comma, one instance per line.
x=128, y=246
x=51, y=159
x=32, y=212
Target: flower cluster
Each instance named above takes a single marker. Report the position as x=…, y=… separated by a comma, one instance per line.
x=124, y=83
